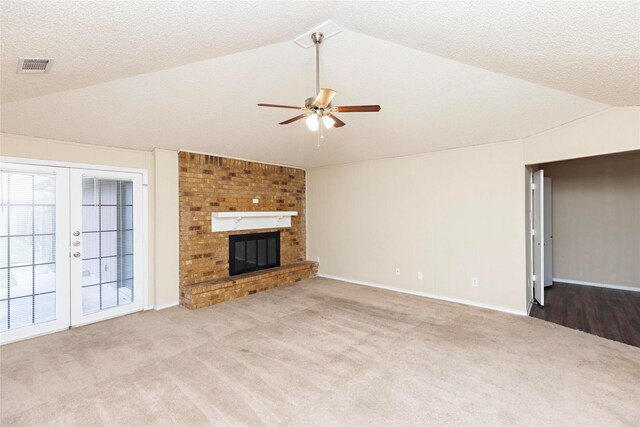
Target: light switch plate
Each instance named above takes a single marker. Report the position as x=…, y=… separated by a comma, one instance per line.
x=256, y=201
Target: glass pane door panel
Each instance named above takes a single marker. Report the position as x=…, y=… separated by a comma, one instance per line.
x=27, y=249
x=107, y=244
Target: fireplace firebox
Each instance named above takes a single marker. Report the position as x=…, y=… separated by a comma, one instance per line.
x=252, y=252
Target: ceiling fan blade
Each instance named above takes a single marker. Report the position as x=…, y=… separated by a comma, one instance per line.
x=324, y=97
x=280, y=106
x=339, y=123
x=293, y=119
x=358, y=108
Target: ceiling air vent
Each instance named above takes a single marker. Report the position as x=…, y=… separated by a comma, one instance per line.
x=327, y=28
x=34, y=65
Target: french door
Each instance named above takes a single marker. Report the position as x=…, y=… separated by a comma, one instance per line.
x=34, y=266
x=71, y=246
x=106, y=220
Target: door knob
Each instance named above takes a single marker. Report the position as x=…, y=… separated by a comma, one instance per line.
x=76, y=254
x=76, y=233
x=76, y=243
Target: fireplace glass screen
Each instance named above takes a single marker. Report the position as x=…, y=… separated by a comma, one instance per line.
x=252, y=252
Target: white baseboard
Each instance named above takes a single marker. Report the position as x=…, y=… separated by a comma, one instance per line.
x=163, y=306
x=598, y=285
x=426, y=295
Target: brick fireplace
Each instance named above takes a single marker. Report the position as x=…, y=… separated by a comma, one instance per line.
x=211, y=184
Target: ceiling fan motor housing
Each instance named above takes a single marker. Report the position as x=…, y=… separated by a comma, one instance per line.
x=317, y=37
x=310, y=104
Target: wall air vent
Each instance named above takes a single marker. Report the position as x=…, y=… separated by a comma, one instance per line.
x=34, y=65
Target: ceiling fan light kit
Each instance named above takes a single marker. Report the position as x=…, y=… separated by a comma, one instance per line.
x=312, y=122
x=318, y=111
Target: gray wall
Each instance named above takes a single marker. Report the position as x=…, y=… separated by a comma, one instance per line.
x=596, y=219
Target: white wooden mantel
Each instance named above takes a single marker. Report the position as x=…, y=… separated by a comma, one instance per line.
x=256, y=220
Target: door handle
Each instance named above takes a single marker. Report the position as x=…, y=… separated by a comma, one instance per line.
x=76, y=254
x=76, y=233
x=76, y=243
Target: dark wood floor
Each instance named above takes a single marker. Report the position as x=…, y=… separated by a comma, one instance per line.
x=608, y=313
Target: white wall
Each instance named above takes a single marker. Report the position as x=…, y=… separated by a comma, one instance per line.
x=167, y=220
x=161, y=292
x=451, y=215
x=613, y=130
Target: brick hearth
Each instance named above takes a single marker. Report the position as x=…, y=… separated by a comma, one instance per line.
x=228, y=288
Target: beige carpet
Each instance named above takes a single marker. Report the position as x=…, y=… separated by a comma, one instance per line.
x=321, y=353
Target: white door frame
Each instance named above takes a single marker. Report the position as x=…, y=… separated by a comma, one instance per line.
x=74, y=165
x=538, y=236
x=548, y=232
x=63, y=168
x=77, y=316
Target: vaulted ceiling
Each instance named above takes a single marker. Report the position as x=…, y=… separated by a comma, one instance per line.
x=188, y=74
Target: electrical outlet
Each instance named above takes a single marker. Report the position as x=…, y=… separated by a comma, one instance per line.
x=420, y=276
x=397, y=271
x=475, y=282
x=256, y=201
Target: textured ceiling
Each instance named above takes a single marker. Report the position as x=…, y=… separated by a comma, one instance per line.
x=590, y=49
x=428, y=103
x=187, y=74
x=587, y=48
x=97, y=41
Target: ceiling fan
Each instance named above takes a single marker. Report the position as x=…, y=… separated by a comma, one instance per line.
x=318, y=110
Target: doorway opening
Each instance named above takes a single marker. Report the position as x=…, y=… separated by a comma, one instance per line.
x=583, y=217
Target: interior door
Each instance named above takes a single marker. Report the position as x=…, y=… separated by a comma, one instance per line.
x=548, y=233
x=34, y=250
x=538, y=236
x=106, y=245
